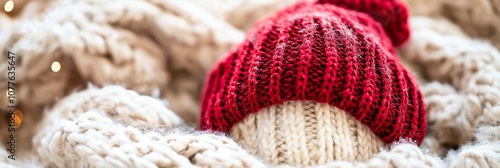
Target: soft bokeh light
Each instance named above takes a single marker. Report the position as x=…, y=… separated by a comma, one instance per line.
x=18, y=118
x=7, y=92
x=56, y=66
x=9, y=5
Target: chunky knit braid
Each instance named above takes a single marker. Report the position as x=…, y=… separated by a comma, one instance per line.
x=485, y=152
x=113, y=127
x=144, y=45
x=323, y=53
x=466, y=93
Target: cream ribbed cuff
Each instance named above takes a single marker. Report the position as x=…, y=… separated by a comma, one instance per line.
x=305, y=133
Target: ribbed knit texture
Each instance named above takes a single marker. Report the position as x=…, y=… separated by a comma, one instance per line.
x=305, y=133
x=323, y=53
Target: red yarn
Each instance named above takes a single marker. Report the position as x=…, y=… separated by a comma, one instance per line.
x=392, y=14
x=323, y=53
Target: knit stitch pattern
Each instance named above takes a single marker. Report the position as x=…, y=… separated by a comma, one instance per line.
x=463, y=92
x=179, y=42
x=305, y=133
x=322, y=53
x=114, y=127
x=103, y=127
x=458, y=75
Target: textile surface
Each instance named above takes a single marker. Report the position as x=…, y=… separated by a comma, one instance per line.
x=129, y=87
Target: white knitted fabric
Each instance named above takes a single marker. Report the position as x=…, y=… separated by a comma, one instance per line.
x=149, y=45
x=113, y=127
x=402, y=155
x=107, y=128
x=108, y=42
x=479, y=18
x=485, y=152
x=305, y=133
x=466, y=92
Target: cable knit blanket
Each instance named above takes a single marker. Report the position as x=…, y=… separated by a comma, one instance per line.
x=128, y=91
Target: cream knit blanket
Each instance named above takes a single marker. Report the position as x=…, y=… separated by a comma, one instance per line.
x=138, y=53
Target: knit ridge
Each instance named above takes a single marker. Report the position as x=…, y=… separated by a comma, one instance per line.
x=322, y=53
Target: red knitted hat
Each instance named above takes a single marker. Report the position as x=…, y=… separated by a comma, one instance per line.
x=339, y=52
